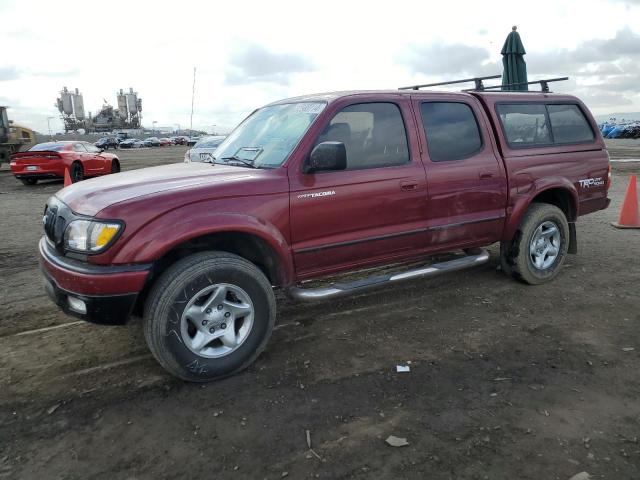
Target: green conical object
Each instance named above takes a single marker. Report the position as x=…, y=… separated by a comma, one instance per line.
x=515, y=68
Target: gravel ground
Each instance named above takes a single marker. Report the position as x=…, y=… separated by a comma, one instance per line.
x=507, y=380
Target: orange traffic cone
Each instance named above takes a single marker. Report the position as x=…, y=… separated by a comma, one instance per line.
x=67, y=177
x=629, y=215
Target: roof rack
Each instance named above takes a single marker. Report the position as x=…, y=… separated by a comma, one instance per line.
x=477, y=80
x=544, y=85
x=479, y=86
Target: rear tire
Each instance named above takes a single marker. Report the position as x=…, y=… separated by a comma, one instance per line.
x=77, y=172
x=209, y=316
x=29, y=181
x=539, y=247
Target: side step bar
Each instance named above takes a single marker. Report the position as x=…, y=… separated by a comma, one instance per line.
x=479, y=257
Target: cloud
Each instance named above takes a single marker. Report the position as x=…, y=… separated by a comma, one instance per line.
x=12, y=73
x=605, y=71
x=9, y=73
x=626, y=43
x=601, y=98
x=254, y=63
x=442, y=59
x=54, y=74
x=629, y=3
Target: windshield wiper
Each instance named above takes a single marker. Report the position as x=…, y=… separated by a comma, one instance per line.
x=235, y=158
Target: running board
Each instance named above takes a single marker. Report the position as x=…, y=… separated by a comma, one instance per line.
x=357, y=286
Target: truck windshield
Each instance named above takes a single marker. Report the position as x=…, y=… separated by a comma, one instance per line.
x=269, y=134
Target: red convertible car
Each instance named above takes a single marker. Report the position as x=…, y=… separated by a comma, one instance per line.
x=51, y=159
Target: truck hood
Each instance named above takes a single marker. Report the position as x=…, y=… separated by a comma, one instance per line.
x=90, y=196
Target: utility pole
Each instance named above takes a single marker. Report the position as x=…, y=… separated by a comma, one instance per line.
x=193, y=94
x=153, y=129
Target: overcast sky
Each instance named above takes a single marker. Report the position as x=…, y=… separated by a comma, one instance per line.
x=250, y=53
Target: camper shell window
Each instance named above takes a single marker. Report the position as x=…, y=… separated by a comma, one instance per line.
x=537, y=124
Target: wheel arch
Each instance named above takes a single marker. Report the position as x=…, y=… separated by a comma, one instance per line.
x=248, y=245
x=562, y=198
x=560, y=193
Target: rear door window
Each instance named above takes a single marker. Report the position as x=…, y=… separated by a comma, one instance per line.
x=569, y=125
x=525, y=124
x=78, y=147
x=451, y=129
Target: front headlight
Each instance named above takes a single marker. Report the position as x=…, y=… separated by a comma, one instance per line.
x=90, y=236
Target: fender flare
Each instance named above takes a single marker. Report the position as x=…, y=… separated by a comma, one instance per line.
x=188, y=227
x=523, y=201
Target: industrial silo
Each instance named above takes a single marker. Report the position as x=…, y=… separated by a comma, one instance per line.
x=78, y=105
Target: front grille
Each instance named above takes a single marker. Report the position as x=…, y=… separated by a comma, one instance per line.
x=49, y=221
x=56, y=218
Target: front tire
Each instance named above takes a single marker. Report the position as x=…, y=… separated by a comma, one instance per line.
x=539, y=247
x=115, y=166
x=209, y=316
x=77, y=172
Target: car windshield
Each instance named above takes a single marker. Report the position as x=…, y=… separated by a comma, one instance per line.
x=48, y=147
x=269, y=135
x=208, y=142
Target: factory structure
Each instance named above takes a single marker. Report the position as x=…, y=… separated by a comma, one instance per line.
x=126, y=116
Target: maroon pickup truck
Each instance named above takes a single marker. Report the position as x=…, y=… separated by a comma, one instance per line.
x=314, y=186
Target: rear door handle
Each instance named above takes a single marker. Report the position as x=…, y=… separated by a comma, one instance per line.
x=408, y=185
x=486, y=175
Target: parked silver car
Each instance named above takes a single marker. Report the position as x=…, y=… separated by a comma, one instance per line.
x=203, y=150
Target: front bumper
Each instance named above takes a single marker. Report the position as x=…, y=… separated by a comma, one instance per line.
x=107, y=310
x=106, y=294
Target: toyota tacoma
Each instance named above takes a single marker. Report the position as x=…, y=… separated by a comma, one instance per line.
x=315, y=186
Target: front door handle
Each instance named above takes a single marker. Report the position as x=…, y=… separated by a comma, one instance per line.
x=408, y=185
x=486, y=175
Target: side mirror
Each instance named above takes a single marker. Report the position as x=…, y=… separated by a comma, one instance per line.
x=326, y=156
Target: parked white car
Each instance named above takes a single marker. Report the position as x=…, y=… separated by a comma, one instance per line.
x=203, y=151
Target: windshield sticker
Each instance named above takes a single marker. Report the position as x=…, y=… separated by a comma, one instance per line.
x=308, y=107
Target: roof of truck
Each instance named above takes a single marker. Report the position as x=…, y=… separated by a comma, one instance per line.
x=490, y=95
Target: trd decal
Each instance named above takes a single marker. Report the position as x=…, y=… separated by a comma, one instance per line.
x=591, y=182
x=326, y=193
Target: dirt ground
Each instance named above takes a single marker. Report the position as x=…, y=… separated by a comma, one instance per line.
x=507, y=381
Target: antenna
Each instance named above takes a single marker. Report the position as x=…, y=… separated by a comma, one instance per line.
x=193, y=94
